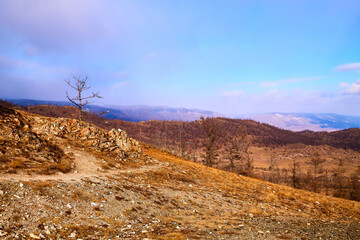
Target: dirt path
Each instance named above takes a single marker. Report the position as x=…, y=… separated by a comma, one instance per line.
x=86, y=166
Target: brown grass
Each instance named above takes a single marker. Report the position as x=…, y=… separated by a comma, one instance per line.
x=42, y=187
x=257, y=191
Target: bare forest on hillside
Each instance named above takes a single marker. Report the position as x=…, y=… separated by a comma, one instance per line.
x=316, y=161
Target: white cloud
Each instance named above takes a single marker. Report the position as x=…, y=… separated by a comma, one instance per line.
x=33, y=67
x=348, y=67
x=119, y=85
x=270, y=84
x=55, y=25
x=353, y=88
x=233, y=93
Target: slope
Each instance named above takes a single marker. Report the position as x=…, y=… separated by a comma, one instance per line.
x=148, y=193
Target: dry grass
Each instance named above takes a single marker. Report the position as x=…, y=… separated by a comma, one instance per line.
x=42, y=187
x=257, y=191
x=82, y=195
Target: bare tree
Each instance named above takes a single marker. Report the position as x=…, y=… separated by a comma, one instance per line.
x=295, y=173
x=211, y=130
x=80, y=86
x=182, y=142
x=355, y=185
x=339, y=178
x=274, y=169
x=237, y=146
x=316, y=164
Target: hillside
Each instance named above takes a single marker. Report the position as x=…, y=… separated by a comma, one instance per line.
x=119, y=189
x=262, y=134
x=271, y=149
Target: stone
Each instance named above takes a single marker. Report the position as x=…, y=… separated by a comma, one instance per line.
x=72, y=235
x=34, y=236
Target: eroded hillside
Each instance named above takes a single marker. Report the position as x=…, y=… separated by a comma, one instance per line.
x=117, y=189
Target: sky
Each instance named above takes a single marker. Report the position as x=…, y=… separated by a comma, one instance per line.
x=232, y=57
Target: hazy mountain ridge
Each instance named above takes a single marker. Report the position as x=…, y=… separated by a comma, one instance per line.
x=136, y=113
x=307, y=121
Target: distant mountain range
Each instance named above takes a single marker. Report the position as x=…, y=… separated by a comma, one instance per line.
x=289, y=121
x=307, y=121
x=130, y=113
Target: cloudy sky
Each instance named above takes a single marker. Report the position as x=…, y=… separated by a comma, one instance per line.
x=232, y=57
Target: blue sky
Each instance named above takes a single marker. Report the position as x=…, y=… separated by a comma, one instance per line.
x=233, y=57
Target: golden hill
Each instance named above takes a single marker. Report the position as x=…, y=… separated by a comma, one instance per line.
x=126, y=191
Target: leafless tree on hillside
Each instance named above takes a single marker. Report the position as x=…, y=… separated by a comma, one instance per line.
x=355, y=185
x=80, y=86
x=295, y=173
x=316, y=164
x=182, y=142
x=339, y=178
x=211, y=129
x=274, y=169
x=236, y=147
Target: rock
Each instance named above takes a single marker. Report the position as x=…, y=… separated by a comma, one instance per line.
x=251, y=215
x=34, y=236
x=3, y=233
x=72, y=235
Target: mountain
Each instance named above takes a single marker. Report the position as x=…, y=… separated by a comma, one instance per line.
x=307, y=121
x=62, y=178
x=290, y=121
x=144, y=113
x=130, y=113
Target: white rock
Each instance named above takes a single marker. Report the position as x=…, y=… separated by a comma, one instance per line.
x=34, y=236
x=69, y=205
x=251, y=215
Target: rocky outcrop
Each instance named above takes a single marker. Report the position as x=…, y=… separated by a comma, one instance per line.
x=22, y=148
x=113, y=141
x=32, y=143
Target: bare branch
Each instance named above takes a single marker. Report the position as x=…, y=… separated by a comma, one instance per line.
x=80, y=85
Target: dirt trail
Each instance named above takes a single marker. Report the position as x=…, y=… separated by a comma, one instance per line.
x=86, y=166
